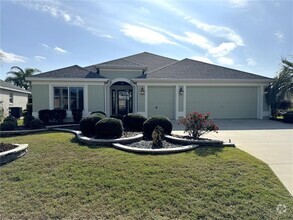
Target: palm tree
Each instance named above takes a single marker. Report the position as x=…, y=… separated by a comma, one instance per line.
x=280, y=87
x=18, y=76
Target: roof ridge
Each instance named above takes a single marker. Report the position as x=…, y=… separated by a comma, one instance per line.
x=162, y=67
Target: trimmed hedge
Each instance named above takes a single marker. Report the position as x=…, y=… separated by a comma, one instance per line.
x=87, y=124
x=11, y=119
x=150, y=124
x=45, y=115
x=27, y=119
x=76, y=114
x=288, y=117
x=99, y=112
x=58, y=114
x=36, y=124
x=117, y=116
x=134, y=121
x=7, y=126
x=108, y=128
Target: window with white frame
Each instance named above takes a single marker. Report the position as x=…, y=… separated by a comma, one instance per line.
x=68, y=98
x=11, y=98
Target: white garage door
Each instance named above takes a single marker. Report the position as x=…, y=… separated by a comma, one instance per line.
x=223, y=102
x=161, y=101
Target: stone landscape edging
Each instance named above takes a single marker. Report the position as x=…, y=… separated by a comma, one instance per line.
x=10, y=155
x=154, y=151
x=200, y=142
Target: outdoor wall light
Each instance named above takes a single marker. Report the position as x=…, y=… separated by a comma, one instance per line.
x=142, y=91
x=181, y=91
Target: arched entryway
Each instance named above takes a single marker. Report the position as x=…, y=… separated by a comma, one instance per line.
x=122, y=98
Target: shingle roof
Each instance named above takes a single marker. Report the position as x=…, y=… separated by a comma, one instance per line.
x=191, y=69
x=9, y=86
x=69, y=72
x=144, y=60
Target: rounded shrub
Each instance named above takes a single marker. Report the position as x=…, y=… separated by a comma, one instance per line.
x=154, y=121
x=36, y=124
x=117, y=116
x=11, y=119
x=45, y=115
x=27, y=119
x=109, y=128
x=288, y=117
x=58, y=114
x=76, y=114
x=134, y=121
x=87, y=124
x=7, y=126
x=99, y=112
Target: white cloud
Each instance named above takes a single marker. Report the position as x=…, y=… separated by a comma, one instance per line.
x=202, y=59
x=45, y=45
x=66, y=17
x=40, y=58
x=145, y=35
x=222, y=50
x=60, y=50
x=196, y=39
x=218, y=31
x=225, y=61
x=238, y=3
x=280, y=36
x=250, y=62
x=7, y=57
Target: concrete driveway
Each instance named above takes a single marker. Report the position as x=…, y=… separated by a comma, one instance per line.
x=267, y=140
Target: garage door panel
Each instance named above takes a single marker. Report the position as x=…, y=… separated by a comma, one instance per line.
x=223, y=102
x=161, y=101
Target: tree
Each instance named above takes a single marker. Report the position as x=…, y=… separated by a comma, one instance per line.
x=18, y=75
x=281, y=85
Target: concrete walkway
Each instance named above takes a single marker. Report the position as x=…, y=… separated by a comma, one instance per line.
x=267, y=140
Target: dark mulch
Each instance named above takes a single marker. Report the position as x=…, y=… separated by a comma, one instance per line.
x=6, y=147
x=188, y=137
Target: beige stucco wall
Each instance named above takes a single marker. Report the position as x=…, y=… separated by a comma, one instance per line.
x=161, y=101
x=19, y=100
x=114, y=74
x=40, y=94
x=96, y=98
x=223, y=102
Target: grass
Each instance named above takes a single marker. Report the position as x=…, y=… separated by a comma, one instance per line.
x=59, y=178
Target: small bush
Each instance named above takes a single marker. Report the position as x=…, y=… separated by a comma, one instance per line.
x=117, y=116
x=58, y=114
x=197, y=124
x=11, y=119
x=87, y=124
x=27, y=119
x=154, y=121
x=109, y=128
x=288, y=117
x=36, y=124
x=76, y=114
x=7, y=126
x=99, y=112
x=134, y=121
x=45, y=115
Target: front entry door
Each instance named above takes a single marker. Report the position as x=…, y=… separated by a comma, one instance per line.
x=123, y=102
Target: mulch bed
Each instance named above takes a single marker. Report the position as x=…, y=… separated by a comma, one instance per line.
x=6, y=147
x=146, y=144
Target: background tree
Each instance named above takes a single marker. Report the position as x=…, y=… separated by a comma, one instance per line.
x=18, y=75
x=281, y=86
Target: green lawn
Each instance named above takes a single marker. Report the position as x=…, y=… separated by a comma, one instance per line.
x=59, y=178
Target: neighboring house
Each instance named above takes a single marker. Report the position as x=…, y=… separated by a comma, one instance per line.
x=150, y=84
x=12, y=96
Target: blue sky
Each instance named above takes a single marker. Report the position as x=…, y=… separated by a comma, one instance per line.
x=251, y=36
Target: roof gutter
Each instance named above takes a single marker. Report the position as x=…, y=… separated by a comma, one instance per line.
x=66, y=79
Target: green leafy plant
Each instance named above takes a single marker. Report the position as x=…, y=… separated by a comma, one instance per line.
x=109, y=128
x=45, y=115
x=87, y=124
x=197, y=124
x=154, y=121
x=134, y=121
x=11, y=119
x=27, y=119
x=76, y=114
x=36, y=124
x=7, y=126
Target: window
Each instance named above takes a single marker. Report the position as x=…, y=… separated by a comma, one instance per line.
x=68, y=97
x=11, y=98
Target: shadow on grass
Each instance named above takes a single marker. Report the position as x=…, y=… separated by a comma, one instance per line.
x=207, y=151
x=88, y=145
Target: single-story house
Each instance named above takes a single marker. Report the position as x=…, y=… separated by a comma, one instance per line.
x=150, y=84
x=12, y=96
